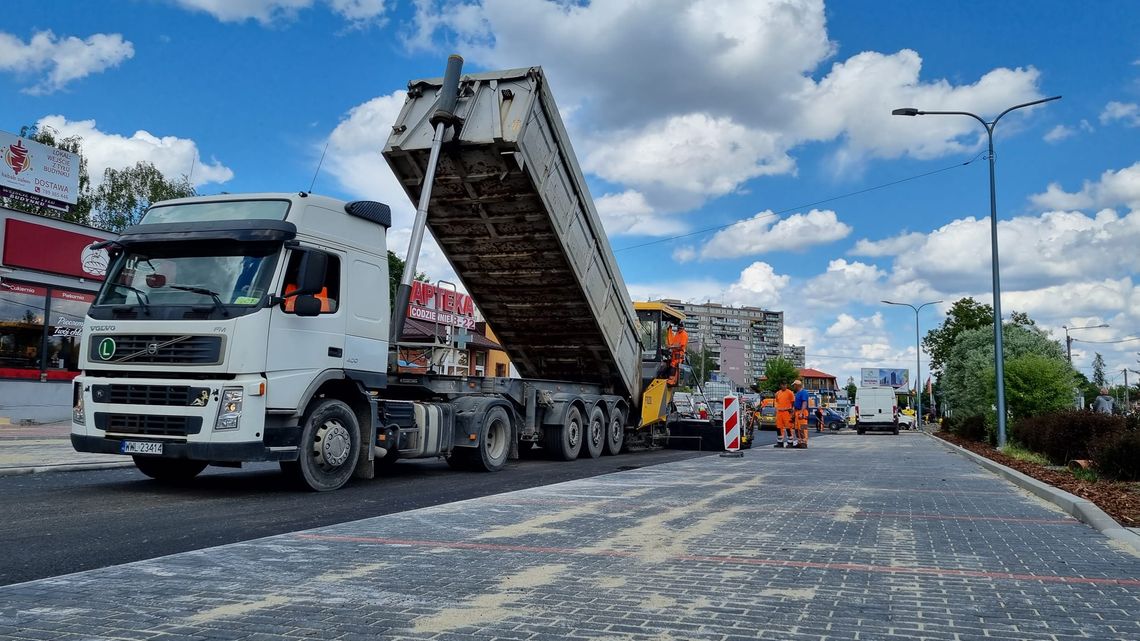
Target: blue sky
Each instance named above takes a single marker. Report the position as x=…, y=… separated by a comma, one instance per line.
x=685, y=114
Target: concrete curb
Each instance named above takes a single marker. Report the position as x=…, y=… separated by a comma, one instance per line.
x=1082, y=509
x=63, y=467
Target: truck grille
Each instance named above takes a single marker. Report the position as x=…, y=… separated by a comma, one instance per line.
x=168, y=395
x=159, y=349
x=148, y=425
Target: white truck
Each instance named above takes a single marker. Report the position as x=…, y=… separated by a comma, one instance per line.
x=258, y=327
x=876, y=408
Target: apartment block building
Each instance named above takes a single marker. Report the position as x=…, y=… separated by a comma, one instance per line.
x=761, y=331
x=797, y=354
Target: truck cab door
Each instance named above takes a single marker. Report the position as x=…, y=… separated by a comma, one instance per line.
x=302, y=347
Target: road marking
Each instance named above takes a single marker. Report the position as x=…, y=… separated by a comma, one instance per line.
x=849, y=567
x=235, y=609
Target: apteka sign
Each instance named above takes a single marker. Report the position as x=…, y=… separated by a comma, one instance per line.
x=438, y=305
x=38, y=173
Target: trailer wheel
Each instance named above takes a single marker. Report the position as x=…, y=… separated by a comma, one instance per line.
x=615, y=434
x=494, y=441
x=595, y=438
x=330, y=445
x=565, y=440
x=169, y=470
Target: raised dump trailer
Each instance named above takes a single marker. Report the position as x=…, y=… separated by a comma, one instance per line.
x=257, y=327
x=512, y=213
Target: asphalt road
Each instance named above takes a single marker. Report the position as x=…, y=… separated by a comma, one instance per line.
x=58, y=523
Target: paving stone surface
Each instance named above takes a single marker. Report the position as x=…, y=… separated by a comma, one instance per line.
x=873, y=537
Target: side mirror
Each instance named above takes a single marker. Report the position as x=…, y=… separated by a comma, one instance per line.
x=307, y=305
x=311, y=276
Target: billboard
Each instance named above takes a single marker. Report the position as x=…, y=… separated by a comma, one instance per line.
x=37, y=173
x=884, y=377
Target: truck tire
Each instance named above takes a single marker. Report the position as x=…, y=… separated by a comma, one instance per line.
x=594, y=439
x=169, y=470
x=565, y=440
x=330, y=444
x=494, y=442
x=615, y=433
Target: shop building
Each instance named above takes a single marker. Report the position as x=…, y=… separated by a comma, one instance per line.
x=49, y=275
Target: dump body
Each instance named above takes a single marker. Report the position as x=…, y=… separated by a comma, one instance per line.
x=512, y=213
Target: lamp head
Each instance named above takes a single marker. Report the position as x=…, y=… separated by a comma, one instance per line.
x=905, y=111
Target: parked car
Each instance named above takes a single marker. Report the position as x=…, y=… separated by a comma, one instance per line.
x=766, y=418
x=832, y=420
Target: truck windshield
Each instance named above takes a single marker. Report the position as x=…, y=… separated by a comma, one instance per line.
x=214, y=276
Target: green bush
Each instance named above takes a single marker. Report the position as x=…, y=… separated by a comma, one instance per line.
x=1065, y=436
x=1117, y=454
x=972, y=428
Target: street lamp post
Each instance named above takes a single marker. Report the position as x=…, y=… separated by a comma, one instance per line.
x=999, y=369
x=917, y=359
x=1069, y=341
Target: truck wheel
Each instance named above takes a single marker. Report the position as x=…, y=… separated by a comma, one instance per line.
x=565, y=440
x=595, y=437
x=330, y=444
x=615, y=434
x=494, y=441
x=169, y=470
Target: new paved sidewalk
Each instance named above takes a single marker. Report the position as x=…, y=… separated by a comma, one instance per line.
x=872, y=537
x=25, y=449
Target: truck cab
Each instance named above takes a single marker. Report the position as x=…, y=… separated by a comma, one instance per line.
x=224, y=321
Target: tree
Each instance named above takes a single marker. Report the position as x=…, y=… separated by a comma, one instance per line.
x=396, y=273
x=702, y=363
x=1035, y=384
x=851, y=388
x=965, y=314
x=125, y=194
x=968, y=380
x=776, y=371
x=1098, y=378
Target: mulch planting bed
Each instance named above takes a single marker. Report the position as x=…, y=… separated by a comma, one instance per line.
x=1120, y=500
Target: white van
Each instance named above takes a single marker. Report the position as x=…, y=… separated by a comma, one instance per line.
x=876, y=409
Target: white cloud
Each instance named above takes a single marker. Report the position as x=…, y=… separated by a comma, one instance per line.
x=1059, y=133
x=60, y=61
x=681, y=160
x=270, y=11
x=767, y=232
x=629, y=213
x=684, y=254
x=892, y=246
x=758, y=285
x=172, y=156
x=353, y=159
x=846, y=325
x=688, y=100
x=1114, y=188
x=1126, y=112
x=843, y=283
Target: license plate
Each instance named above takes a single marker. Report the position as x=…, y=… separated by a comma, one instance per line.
x=140, y=447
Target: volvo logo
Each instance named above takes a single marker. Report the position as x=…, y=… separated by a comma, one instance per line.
x=107, y=349
x=152, y=348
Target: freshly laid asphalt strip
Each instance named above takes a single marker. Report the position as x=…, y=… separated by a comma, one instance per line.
x=56, y=523
x=858, y=537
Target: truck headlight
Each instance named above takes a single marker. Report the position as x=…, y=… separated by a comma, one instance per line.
x=78, y=413
x=229, y=414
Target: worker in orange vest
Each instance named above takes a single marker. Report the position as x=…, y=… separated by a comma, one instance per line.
x=800, y=403
x=785, y=399
x=677, y=339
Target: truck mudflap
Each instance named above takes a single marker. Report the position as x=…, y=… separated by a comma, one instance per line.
x=471, y=411
x=221, y=452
